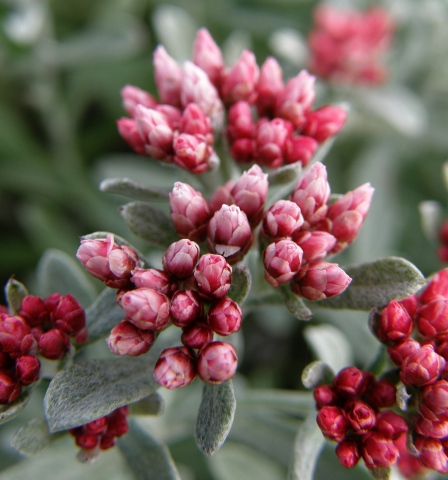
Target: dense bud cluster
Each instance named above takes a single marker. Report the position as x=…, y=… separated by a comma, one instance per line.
x=41, y=327
x=101, y=434
x=348, y=46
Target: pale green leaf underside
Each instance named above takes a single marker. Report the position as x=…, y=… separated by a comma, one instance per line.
x=295, y=305
x=316, y=373
x=32, y=437
x=133, y=189
x=15, y=292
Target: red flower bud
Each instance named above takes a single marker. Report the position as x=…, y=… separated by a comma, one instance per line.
x=117, y=423
x=300, y=149
x=437, y=286
x=147, y=309
x=108, y=261
x=217, y=362
x=192, y=153
x=410, y=304
x=213, y=276
x=391, y=424
x=333, y=423
x=361, y=416
x=126, y=339
x=432, y=319
x=87, y=441
x=54, y=344
x=271, y=137
x=350, y=382
x=394, y=323
x=207, y=56
x=324, y=122
x=283, y=219
x=95, y=427
x=431, y=454
x=378, y=450
x=315, y=244
x=27, y=369
x=180, y=258
x=325, y=395
x=196, y=123
x=243, y=150
x=189, y=212
x=270, y=85
x=240, y=123
x=240, y=83
x=282, y=260
x=133, y=96
x=348, y=453
x=422, y=367
x=225, y=316
x=175, y=368
x=196, y=335
x=399, y=351
x=185, y=307
x=33, y=310
x=15, y=336
x=10, y=388
x=152, y=278
x=68, y=315
x=432, y=429
x=434, y=401
x=382, y=393
x=128, y=130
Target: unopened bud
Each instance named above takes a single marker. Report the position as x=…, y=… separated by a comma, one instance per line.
x=180, y=258
x=217, y=362
x=175, y=368
x=126, y=339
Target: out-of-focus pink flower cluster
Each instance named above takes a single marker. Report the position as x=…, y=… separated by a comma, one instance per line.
x=190, y=292
x=102, y=433
x=349, y=46
x=442, y=251
x=42, y=327
x=268, y=122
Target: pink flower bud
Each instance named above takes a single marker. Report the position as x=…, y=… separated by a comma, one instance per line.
x=391, y=424
x=10, y=388
x=240, y=122
x=401, y=350
x=156, y=133
x=168, y=76
x=271, y=137
x=240, y=83
x=152, y=278
x=108, y=261
x=217, y=362
x=422, y=367
x=431, y=454
x=207, y=56
x=333, y=423
x=186, y=307
x=324, y=122
x=221, y=196
x=250, y=192
x=68, y=315
x=128, y=130
x=300, y=149
x=33, y=311
x=394, y=323
x=213, y=276
x=283, y=219
x=315, y=244
x=282, y=260
x=117, y=423
x=325, y=396
x=348, y=453
x=411, y=305
x=243, y=150
x=348, y=213
x=320, y=280
x=225, y=317
x=15, y=336
x=270, y=86
x=133, y=96
x=382, y=393
x=196, y=335
x=147, y=309
x=198, y=89
x=434, y=401
x=432, y=318
x=126, y=339
x=172, y=115
x=180, y=258
x=378, y=450
x=175, y=368
x=296, y=99
x=195, y=122
x=54, y=344
x=27, y=369
x=361, y=416
x=95, y=427
x=229, y=233
x=437, y=286
x=189, y=212
x=433, y=429
x=192, y=153
x=350, y=382
x=312, y=193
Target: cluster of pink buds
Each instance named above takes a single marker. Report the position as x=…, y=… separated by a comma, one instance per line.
x=268, y=122
x=307, y=228
x=416, y=332
x=42, y=327
x=442, y=251
x=355, y=412
x=190, y=292
x=348, y=46
x=102, y=433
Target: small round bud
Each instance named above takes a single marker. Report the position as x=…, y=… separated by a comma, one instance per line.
x=217, y=362
x=27, y=369
x=185, y=307
x=54, y=344
x=225, y=317
x=348, y=453
x=10, y=388
x=213, y=276
x=422, y=367
x=126, y=339
x=333, y=423
x=378, y=450
x=175, y=368
x=196, y=335
x=180, y=258
x=361, y=416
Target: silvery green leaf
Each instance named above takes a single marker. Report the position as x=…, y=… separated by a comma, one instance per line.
x=381, y=473
x=241, y=283
x=215, y=416
x=285, y=175
x=317, y=373
x=133, y=189
x=15, y=292
x=89, y=390
x=32, y=438
x=148, y=458
x=153, y=404
x=149, y=223
x=307, y=446
x=375, y=284
x=59, y=272
x=295, y=304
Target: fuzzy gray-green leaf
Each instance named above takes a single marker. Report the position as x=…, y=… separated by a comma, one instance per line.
x=15, y=292
x=241, y=283
x=89, y=390
x=32, y=437
x=215, y=416
x=147, y=457
x=133, y=189
x=316, y=373
x=285, y=175
x=376, y=283
x=149, y=223
x=295, y=305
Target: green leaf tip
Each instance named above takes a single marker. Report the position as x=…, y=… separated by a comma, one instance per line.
x=316, y=373
x=215, y=416
x=241, y=283
x=15, y=292
x=32, y=438
x=131, y=188
x=295, y=305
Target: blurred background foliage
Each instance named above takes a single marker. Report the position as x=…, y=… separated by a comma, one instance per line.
x=62, y=65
